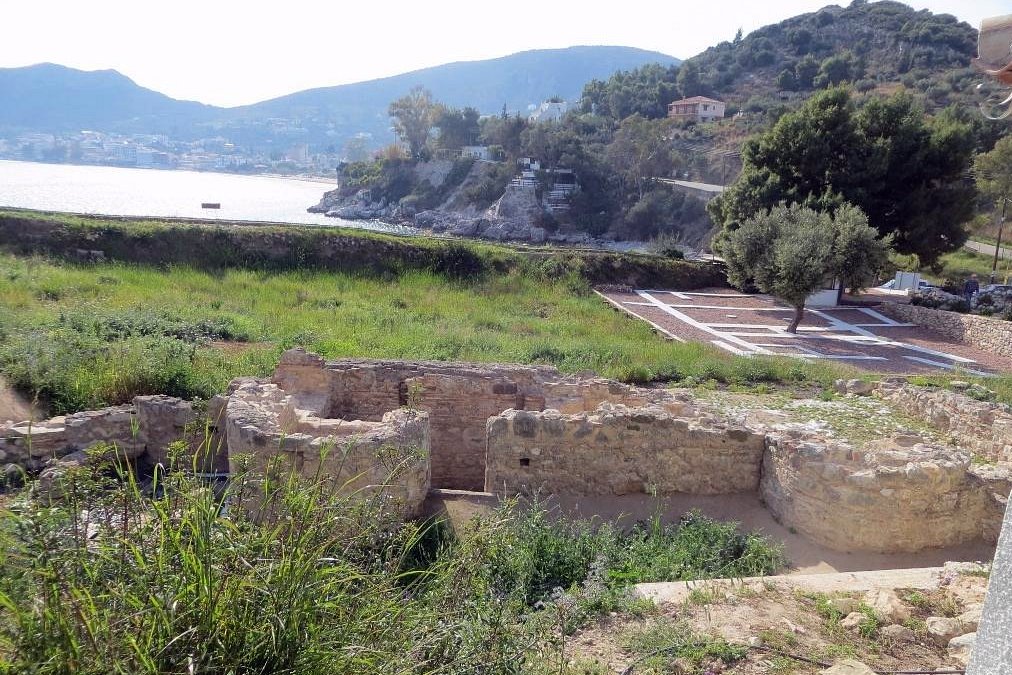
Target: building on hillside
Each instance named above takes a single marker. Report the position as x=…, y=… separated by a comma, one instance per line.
x=549, y=111
x=698, y=108
x=479, y=152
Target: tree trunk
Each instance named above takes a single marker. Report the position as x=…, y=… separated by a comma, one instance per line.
x=799, y=312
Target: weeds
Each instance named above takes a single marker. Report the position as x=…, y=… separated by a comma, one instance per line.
x=284, y=573
x=660, y=645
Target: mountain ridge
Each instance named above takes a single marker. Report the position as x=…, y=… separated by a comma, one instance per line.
x=108, y=100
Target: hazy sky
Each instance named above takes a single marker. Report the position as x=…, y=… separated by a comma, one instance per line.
x=230, y=52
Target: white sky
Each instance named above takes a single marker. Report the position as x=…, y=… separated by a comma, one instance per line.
x=231, y=52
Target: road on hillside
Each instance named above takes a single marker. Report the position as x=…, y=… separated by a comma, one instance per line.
x=987, y=249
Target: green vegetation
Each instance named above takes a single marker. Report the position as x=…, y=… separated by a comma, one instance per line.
x=659, y=645
x=791, y=251
x=214, y=246
x=83, y=336
x=299, y=579
x=902, y=169
x=952, y=269
x=613, y=159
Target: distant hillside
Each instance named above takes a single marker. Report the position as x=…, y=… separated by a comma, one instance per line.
x=515, y=81
x=871, y=45
x=50, y=97
x=875, y=47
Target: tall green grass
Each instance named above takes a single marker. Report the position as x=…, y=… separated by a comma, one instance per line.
x=84, y=336
x=288, y=574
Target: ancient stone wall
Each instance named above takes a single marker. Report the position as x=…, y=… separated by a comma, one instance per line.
x=982, y=428
x=459, y=397
x=388, y=459
x=390, y=430
x=617, y=450
x=989, y=334
x=141, y=430
x=888, y=496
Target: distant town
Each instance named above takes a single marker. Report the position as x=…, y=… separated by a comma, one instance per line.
x=157, y=151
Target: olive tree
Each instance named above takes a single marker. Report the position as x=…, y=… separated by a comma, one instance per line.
x=791, y=252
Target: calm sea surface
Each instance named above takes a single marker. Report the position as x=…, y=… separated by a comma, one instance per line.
x=150, y=192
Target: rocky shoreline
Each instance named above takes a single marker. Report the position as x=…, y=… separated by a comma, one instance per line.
x=514, y=217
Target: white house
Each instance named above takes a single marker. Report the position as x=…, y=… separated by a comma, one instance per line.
x=549, y=111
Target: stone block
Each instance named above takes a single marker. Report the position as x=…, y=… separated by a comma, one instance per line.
x=887, y=606
x=848, y=667
x=991, y=645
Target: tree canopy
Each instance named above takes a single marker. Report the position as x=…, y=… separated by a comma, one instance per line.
x=903, y=169
x=791, y=252
x=993, y=170
x=414, y=116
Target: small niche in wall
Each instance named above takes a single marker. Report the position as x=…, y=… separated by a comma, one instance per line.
x=525, y=461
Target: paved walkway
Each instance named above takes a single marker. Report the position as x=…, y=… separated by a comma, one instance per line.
x=987, y=249
x=924, y=578
x=750, y=325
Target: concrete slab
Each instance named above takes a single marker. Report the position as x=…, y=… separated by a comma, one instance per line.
x=676, y=592
x=748, y=325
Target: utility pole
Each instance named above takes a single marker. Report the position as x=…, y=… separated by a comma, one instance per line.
x=997, y=246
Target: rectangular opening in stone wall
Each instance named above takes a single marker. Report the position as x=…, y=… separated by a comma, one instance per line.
x=459, y=407
x=525, y=461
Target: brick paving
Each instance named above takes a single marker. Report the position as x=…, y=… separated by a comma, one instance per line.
x=756, y=324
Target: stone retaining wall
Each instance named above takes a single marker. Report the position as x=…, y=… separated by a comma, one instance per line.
x=982, y=428
x=618, y=450
x=888, y=496
x=986, y=333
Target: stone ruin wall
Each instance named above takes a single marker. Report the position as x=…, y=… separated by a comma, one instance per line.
x=887, y=496
x=142, y=430
x=983, y=428
x=268, y=431
x=616, y=450
x=517, y=429
x=459, y=399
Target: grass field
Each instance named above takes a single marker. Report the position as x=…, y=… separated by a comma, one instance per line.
x=83, y=336
x=958, y=265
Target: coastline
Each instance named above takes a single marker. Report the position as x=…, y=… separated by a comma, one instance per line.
x=395, y=230
x=303, y=177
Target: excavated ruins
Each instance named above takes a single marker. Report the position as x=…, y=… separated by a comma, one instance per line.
x=405, y=428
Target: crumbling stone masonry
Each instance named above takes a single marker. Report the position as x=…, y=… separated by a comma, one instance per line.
x=459, y=399
x=395, y=429
x=269, y=430
x=892, y=495
x=616, y=449
x=142, y=430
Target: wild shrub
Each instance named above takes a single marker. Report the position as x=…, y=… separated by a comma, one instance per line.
x=458, y=263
